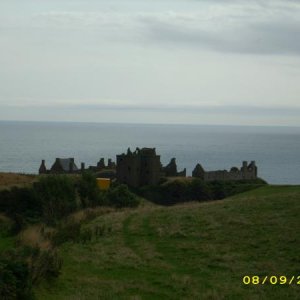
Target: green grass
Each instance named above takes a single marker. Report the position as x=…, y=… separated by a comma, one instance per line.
x=6, y=241
x=190, y=251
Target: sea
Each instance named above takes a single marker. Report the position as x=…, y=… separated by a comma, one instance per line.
x=276, y=150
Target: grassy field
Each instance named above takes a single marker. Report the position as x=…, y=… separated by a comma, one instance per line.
x=190, y=251
x=8, y=180
x=6, y=242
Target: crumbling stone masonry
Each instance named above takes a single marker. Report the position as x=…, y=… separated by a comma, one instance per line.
x=143, y=167
x=246, y=172
x=170, y=170
x=60, y=166
x=138, y=168
x=68, y=166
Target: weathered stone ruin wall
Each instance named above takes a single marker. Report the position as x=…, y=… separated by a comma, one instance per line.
x=101, y=165
x=170, y=170
x=246, y=172
x=141, y=167
x=68, y=166
x=128, y=169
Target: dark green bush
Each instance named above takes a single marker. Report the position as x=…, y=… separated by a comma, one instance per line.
x=89, y=192
x=6, y=226
x=23, y=267
x=121, y=196
x=177, y=191
x=22, y=201
x=15, y=280
x=20, y=204
x=220, y=189
x=51, y=198
x=223, y=189
x=73, y=231
x=87, y=234
x=45, y=264
x=19, y=223
x=199, y=190
x=57, y=195
x=69, y=231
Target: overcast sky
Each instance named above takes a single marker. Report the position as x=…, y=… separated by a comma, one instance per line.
x=155, y=61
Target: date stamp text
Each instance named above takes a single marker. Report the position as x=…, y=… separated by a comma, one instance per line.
x=273, y=280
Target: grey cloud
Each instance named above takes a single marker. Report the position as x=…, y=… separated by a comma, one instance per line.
x=273, y=37
x=258, y=27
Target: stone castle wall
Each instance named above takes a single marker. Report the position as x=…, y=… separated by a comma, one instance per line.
x=143, y=167
x=246, y=172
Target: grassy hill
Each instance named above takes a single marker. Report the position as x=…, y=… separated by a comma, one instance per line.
x=8, y=180
x=189, y=251
x=6, y=242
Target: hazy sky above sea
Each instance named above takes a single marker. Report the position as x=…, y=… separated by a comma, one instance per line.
x=155, y=61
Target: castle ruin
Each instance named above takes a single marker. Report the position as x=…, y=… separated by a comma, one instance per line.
x=60, y=166
x=68, y=166
x=138, y=168
x=143, y=167
x=170, y=170
x=246, y=172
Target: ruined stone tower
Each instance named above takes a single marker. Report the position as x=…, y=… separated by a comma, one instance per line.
x=138, y=168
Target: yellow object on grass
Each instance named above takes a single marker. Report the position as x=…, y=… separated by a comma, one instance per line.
x=103, y=183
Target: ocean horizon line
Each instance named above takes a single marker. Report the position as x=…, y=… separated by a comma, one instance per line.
x=149, y=124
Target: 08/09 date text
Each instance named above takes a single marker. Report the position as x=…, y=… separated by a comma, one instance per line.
x=281, y=280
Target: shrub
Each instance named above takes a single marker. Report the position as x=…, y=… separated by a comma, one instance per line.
x=69, y=231
x=44, y=264
x=89, y=192
x=6, y=225
x=57, y=195
x=15, y=280
x=20, y=204
x=22, y=267
x=219, y=189
x=177, y=191
x=200, y=190
x=51, y=198
x=22, y=201
x=86, y=235
x=19, y=223
x=121, y=196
